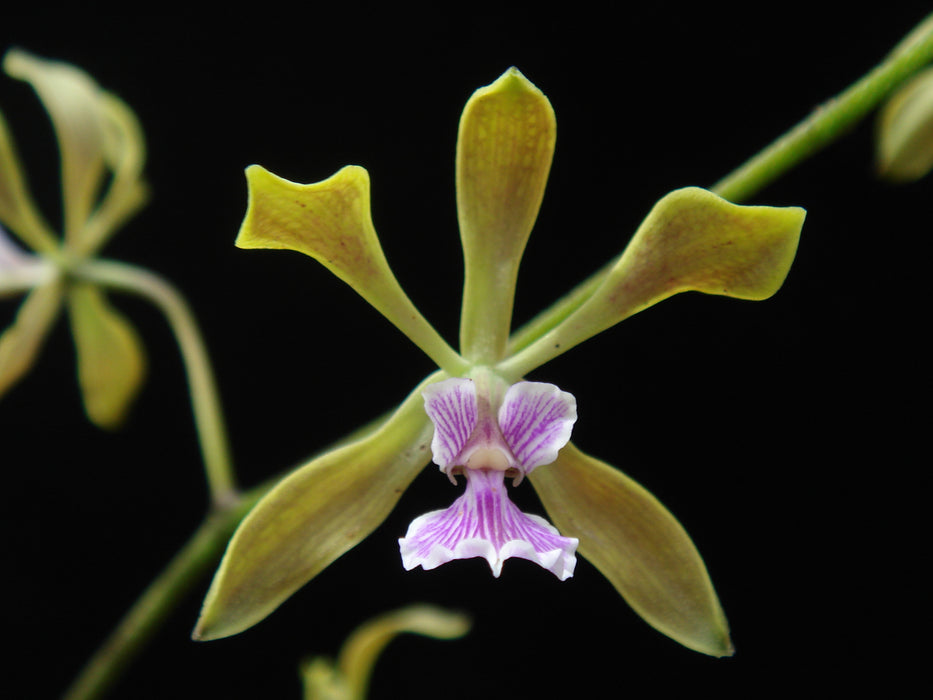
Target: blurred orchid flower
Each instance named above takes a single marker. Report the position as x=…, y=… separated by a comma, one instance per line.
x=99, y=138
x=348, y=677
x=476, y=414
x=904, y=142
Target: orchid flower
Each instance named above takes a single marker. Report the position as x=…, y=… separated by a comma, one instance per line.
x=99, y=138
x=476, y=415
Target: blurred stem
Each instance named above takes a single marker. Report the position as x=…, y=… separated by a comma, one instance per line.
x=825, y=124
x=205, y=400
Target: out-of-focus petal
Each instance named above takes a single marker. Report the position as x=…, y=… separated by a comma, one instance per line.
x=904, y=143
x=504, y=150
x=17, y=210
x=483, y=522
x=314, y=515
x=536, y=420
x=638, y=545
x=111, y=361
x=125, y=155
x=692, y=240
x=21, y=271
x=21, y=342
x=359, y=653
x=331, y=222
x=72, y=100
x=348, y=679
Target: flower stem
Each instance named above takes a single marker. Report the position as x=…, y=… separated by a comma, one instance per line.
x=826, y=124
x=205, y=402
x=831, y=119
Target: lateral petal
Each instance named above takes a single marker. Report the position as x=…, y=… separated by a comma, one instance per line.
x=638, y=545
x=320, y=511
x=451, y=406
x=693, y=240
x=331, y=222
x=504, y=150
x=536, y=420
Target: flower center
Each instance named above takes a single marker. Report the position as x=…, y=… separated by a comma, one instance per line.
x=489, y=458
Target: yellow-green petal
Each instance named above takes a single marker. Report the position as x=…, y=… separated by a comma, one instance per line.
x=18, y=212
x=314, y=515
x=692, y=240
x=72, y=100
x=124, y=154
x=111, y=362
x=904, y=144
x=638, y=545
x=504, y=151
x=21, y=342
x=331, y=222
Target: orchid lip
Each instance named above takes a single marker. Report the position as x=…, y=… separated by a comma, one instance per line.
x=487, y=431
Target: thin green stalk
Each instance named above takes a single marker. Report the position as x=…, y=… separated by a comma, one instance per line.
x=205, y=401
x=831, y=119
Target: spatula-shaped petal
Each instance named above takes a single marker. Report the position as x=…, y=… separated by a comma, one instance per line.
x=691, y=240
x=330, y=221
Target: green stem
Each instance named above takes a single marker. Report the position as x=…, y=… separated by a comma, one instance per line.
x=826, y=124
x=205, y=402
x=831, y=119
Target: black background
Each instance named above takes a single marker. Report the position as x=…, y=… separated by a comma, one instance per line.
x=780, y=433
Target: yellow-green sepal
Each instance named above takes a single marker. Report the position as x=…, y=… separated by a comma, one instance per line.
x=21, y=342
x=904, y=143
x=692, y=240
x=331, y=222
x=314, y=515
x=111, y=360
x=638, y=545
x=504, y=150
